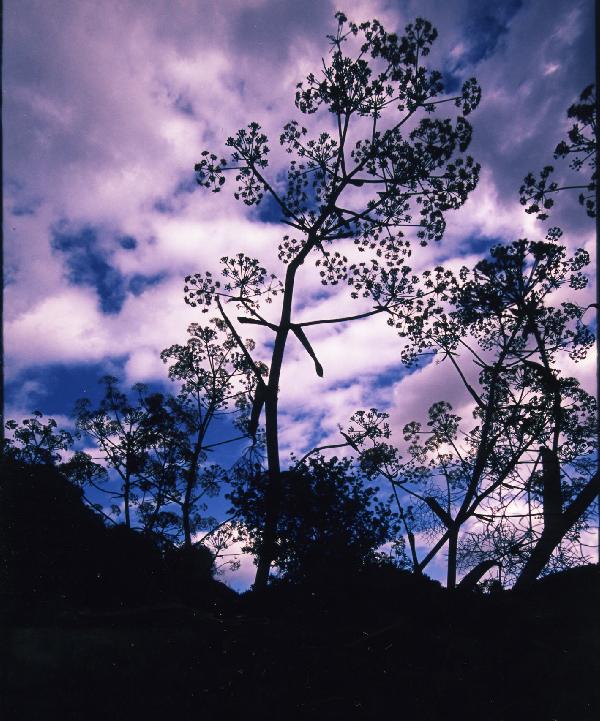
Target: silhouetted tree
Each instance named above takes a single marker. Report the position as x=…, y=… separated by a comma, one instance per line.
x=123, y=432
x=582, y=149
x=331, y=522
x=33, y=441
x=78, y=560
x=526, y=470
x=158, y=445
x=216, y=380
x=347, y=196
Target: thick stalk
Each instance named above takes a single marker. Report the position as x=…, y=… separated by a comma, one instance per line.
x=552, y=535
x=409, y=533
x=452, y=555
x=434, y=551
x=186, y=506
x=273, y=489
x=272, y=495
x=126, y=494
x=185, y=518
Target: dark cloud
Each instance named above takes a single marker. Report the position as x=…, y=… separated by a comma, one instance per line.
x=486, y=25
x=88, y=264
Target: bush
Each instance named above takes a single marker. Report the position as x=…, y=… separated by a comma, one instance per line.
x=330, y=524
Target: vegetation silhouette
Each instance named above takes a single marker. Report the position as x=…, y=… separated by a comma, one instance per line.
x=60, y=559
x=581, y=147
x=330, y=525
x=339, y=189
x=530, y=452
x=109, y=613
x=159, y=445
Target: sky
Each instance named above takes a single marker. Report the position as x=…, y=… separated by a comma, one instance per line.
x=106, y=109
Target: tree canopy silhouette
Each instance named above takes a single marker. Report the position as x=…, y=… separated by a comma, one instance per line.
x=331, y=522
x=348, y=197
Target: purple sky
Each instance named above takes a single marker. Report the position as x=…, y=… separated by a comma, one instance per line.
x=107, y=107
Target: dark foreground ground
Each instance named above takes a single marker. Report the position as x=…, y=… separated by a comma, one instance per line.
x=380, y=647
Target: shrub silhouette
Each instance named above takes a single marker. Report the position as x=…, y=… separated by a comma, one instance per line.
x=49, y=541
x=189, y=571
x=331, y=522
x=56, y=553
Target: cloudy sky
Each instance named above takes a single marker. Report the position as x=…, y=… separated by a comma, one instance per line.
x=107, y=107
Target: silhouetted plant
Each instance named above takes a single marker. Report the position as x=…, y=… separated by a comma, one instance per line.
x=123, y=432
x=158, y=445
x=216, y=380
x=33, y=441
x=581, y=147
x=525, y=471
x=331, y=523
x=347, y=201
x=532, y=446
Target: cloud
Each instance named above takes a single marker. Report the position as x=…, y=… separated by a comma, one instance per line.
x=108, y=110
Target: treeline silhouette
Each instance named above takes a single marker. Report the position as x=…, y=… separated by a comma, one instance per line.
x=59, y=556
x=105, y=624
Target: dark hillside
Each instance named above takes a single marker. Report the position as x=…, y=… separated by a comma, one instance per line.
x=103, y=628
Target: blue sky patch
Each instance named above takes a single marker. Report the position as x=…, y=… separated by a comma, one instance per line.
x=86, y=264
x=452, y=82
x=30, y=208
x=163, y=206
x=268, y=210
x=60, y=385
x=480, y=245
x=471, y=245
x=393, y=374
x=489, y=23
x=184, y=105
x=23, y=203
x=187, y=184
